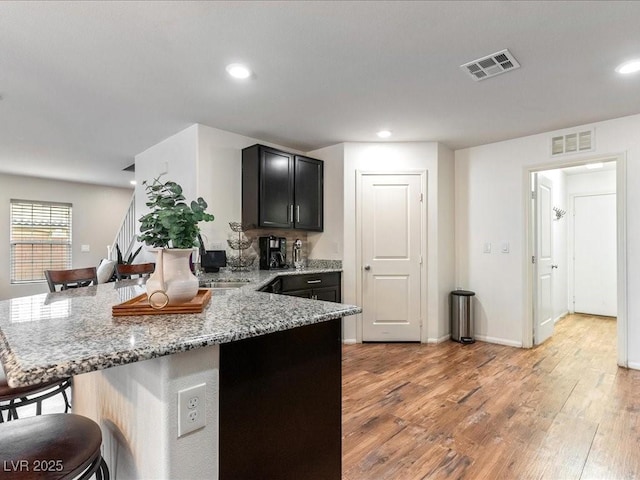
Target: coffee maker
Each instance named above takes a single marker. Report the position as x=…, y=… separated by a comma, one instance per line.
x=273, y=252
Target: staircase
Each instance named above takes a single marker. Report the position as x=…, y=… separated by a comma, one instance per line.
x=127, y=235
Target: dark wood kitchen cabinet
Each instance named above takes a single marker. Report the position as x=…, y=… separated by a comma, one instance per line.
x=281, y=190
x=317, y=286
x=281, y=405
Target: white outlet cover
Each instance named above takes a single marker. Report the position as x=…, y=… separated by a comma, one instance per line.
x=487, y=247
x=191, y=409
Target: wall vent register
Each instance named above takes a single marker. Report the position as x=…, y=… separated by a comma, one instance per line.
x=491, y=65
x=572, y=143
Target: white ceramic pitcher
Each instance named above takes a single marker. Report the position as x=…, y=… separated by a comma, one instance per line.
x=172, y=282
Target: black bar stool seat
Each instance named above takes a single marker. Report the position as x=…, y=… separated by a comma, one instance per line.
x=53, y=446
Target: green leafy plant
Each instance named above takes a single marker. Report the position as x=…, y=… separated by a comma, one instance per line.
x=171, y=223
x=130, y=258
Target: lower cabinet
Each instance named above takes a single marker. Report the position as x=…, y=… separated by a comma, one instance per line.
x=280, y=405
x=319, y=286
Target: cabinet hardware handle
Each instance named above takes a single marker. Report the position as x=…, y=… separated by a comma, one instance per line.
x=314, y=281
x=297, y=213
x=554, y=266
x=367, y=267
x=291, y=213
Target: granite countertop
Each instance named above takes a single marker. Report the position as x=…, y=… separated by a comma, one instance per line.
x=53, y=335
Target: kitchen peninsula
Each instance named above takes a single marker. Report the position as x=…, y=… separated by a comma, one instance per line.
x=261, y=348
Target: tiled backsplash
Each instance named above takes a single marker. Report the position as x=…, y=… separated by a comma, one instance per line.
x=290, y=235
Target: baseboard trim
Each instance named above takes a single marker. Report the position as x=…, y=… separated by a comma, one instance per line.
x=634, y=366
x=349, y=341
x=499, y=341
x=560, y=317
x=434, y=341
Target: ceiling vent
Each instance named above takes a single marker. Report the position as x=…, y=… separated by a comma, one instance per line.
x=572, y=143
x=491, y=65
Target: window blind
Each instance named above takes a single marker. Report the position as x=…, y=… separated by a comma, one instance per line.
x=40, y=239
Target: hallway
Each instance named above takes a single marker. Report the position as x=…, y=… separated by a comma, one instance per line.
x=562, y=410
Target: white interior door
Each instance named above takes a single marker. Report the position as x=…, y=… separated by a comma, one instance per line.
x=595, y=254
x=391, y=248
x=543, y=314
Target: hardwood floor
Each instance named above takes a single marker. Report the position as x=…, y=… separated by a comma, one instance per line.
x=560, y=411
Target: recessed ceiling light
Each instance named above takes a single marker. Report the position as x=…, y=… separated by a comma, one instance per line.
x=632, y=66
x=133, y=182
x=592, y=166
x=384, y=134
x=237, y=70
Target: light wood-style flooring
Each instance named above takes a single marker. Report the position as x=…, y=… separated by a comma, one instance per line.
x=560, y=411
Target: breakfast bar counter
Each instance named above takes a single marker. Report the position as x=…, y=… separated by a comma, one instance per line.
x=128, y=370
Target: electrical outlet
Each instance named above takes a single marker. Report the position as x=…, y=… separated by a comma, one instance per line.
x=191, y=409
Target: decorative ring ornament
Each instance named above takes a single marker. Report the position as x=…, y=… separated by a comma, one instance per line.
x=158, y=305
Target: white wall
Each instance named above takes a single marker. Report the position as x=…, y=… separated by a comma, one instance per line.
x=490, y=206
x=594, y=181
x=136, y=406
x=97, y=213
x=446, y=240
x=328, y=245
x=207, y=163
x=219, y=172
x=392, y=157
x=176, y=159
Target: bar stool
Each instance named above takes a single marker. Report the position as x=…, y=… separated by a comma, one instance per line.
x=53, y=446
x=72, y=278
x=13, y=398
x=124, y=271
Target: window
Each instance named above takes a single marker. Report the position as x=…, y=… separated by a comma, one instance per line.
x=40, y=239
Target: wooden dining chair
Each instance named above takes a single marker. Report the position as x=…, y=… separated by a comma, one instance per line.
x=72, y=278
x=124, y=271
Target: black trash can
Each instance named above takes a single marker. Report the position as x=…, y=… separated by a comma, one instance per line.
x=461, y=310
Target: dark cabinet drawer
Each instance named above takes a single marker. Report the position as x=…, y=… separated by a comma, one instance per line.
x=328, y=294
x=313, y=281
x=320, y=286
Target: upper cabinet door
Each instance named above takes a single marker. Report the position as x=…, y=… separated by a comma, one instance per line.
x=281, y=190
x=308, y=193
x=276, y=190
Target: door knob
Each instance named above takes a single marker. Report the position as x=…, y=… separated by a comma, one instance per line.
x=367, y=267
x=554, y=266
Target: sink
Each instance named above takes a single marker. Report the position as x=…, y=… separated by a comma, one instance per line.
x=225, y=285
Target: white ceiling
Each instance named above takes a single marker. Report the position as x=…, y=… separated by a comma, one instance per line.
x=86, y=86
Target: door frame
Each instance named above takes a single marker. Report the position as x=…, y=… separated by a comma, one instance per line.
x=360, y=174
x=621, y=241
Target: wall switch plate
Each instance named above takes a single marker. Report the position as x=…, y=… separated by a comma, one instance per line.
x=504, y=248
x=487, y=247
x=85, y=248
x=191, y=409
